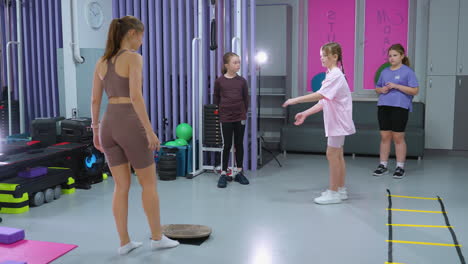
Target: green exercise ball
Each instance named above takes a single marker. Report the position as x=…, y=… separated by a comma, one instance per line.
x=171, y=143
x=379, y=71
x=181, y=142
x=184, y=131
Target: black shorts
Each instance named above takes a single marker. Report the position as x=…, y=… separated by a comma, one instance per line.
x=392, y=118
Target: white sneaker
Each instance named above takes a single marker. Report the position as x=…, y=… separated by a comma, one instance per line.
x=343, y=193
x=165, y=242
x=328, y=197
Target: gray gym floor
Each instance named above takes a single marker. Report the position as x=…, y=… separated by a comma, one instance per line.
x=273, y=220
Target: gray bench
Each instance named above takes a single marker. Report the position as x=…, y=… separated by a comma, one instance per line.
x=310, y=137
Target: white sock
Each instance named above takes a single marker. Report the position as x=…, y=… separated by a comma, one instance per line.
x=401, y=165
x=342, y=189
x=165, y=242
x=385, y=163
x=124, y=250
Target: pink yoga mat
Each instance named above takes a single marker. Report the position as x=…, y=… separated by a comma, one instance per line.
x=34, y=252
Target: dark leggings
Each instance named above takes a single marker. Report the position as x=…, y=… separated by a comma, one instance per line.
x=237, y=129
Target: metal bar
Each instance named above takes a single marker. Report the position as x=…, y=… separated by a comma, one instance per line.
x=227, y=25
x=27, y=67
x=194, y=85
x=166, y=52
x=39, y=64
x=205, y=60
x=9, y=43
x=142, y=7
x=45, y=51
x=220, y=19
x=189, y=35
x=182, y=85
x=212, y=56
x=159, y=71
x=35, y=61
x=253, y=88
x=20, y=64
x=53, y=55
x=241, y=32
x=153, y=101
x=201, y=77
x=175, y=92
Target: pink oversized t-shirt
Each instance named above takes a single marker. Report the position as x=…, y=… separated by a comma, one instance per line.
x=337, y=105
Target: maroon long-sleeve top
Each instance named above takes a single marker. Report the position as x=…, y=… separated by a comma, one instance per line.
x=232, y=97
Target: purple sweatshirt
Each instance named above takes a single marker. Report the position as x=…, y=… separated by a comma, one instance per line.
x=232, y=97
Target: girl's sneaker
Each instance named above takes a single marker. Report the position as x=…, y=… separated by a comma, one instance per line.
x=343, y=193
x=222, y=182
x=381, y=170
x=328, y=197
x=240, y=178
x=399, y=173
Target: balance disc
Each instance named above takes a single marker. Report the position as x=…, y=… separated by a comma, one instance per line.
x=186, y=231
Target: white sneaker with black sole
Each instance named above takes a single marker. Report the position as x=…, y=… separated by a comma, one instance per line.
x=381, y=170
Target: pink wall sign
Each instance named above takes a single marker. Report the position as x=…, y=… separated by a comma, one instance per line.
x=386, y=23
x=330, y=21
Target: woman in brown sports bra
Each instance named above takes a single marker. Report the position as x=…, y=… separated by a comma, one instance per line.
x=125, y=135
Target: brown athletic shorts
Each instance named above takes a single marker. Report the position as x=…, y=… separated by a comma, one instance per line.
x=123, y=137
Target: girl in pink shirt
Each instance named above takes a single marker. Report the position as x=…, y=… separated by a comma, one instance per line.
x=334, y=98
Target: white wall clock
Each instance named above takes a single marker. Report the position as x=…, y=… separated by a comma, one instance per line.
x=94, y=15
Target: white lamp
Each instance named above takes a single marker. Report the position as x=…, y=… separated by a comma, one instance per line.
x=261, y=57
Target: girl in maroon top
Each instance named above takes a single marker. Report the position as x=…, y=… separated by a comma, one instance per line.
x=231, y=94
